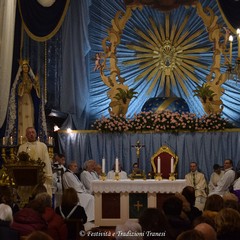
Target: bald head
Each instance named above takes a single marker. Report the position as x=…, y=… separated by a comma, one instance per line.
x=207, y=230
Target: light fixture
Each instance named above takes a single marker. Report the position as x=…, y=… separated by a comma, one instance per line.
x=69, y=130
x=233, y=71
x=56, y=128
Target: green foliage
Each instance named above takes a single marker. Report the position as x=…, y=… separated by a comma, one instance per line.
x=204, y=92
x=125, y=95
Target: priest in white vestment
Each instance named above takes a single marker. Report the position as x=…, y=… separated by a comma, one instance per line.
x=197, y=180
x=36, y=150
x=88, y=174
x=86, y=199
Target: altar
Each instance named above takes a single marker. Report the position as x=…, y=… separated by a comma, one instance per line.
x=118, y=201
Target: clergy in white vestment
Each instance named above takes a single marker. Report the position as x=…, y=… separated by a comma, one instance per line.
x=227, y=179
x=36, y=150
x=215, y=177
x=197, y=180
x=86, y=199
x=88, y=174
x=122, y=174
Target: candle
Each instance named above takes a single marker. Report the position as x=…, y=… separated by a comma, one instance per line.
x=116, y=165
x=230, y=50
x=11, y=140
x=103, y=165
x=159, y=165
x=172, y=161
x=49, y=140
x=4, y=141
x=21, y=140
x=38, y=139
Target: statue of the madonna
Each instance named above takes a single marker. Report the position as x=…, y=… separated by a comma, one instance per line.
x=27, y=84
x=26, y=105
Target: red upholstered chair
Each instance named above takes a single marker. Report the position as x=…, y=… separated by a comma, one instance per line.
x=165, y=154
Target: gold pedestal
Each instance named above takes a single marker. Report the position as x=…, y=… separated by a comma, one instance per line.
x=158, y=176
x=117, y=177
x=103, y=176
x=172, y=176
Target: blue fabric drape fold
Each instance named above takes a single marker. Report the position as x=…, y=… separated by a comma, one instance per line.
x=75, y=82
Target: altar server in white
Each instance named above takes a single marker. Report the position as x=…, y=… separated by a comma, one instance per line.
x=70, y=179
x=227, y=179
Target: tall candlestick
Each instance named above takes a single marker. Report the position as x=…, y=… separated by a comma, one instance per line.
x=116, y=165
x=103, y=165
x=172, y=161
x=230, y=50
x=159, y=165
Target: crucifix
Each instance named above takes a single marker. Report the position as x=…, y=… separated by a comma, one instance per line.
x=138, y=146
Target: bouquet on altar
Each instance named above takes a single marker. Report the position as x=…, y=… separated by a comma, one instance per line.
x=161, y=121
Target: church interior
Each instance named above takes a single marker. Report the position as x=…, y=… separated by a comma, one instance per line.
x=149, y=82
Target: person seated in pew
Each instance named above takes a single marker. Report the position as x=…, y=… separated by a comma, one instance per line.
x=6, y=219
x=70, y=209
x=70, y=180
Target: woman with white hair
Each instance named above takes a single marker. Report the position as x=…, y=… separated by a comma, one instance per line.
x=6, y=219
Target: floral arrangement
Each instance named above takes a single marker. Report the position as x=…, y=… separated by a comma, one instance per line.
x=161, y=121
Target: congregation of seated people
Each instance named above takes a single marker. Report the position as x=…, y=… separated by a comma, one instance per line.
x=194, y=213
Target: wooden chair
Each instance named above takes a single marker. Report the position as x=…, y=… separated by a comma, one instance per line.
x=165, y=154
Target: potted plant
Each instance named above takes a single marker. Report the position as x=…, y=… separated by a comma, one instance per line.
x=204, y=92
x=125, y=95
x=120, y=100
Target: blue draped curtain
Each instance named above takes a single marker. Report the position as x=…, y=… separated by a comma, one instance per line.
x=204, y=148
x=75, y=80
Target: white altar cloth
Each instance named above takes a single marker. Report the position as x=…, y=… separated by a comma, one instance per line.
x=138, y=186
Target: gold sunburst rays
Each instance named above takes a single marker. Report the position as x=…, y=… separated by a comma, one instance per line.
x=167, y=54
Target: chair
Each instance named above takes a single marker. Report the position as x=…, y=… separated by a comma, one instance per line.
x=165, y=154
